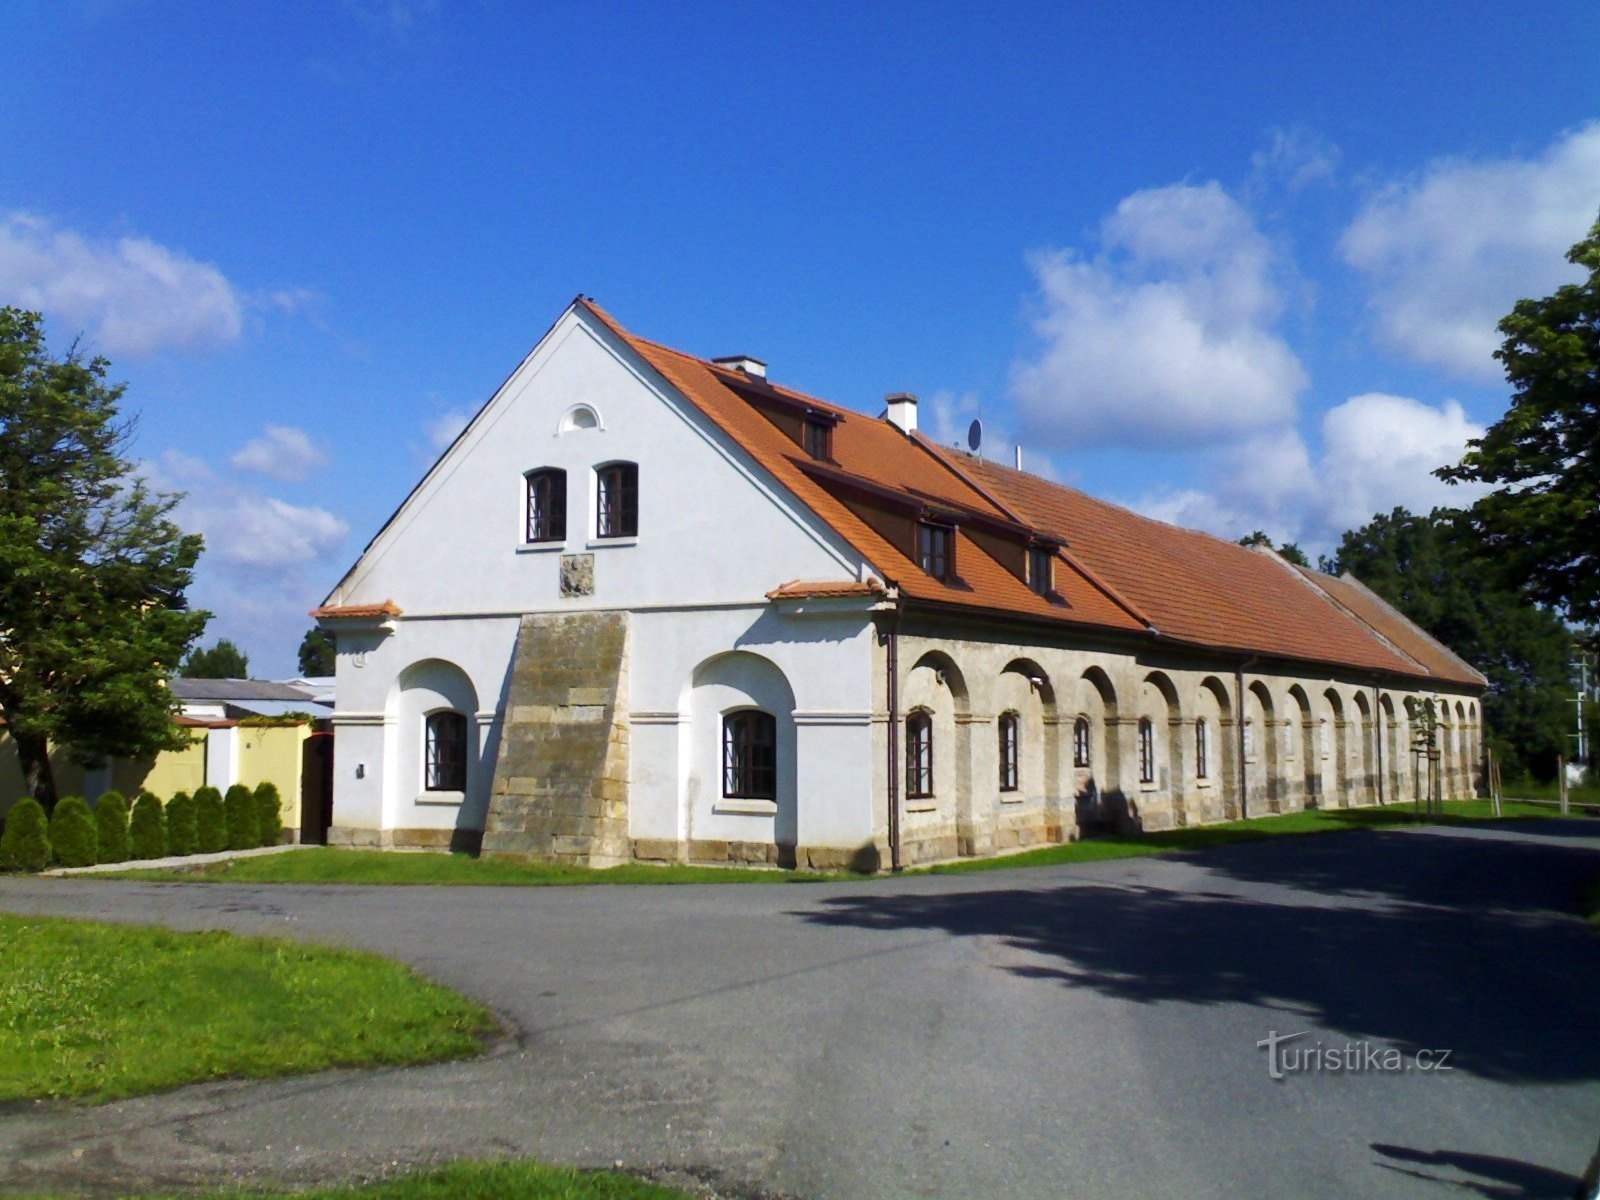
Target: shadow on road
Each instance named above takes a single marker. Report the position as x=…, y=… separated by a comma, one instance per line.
x=1489, y=1176
x=1470, y=959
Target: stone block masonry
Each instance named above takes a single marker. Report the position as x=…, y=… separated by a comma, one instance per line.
x=560, y=789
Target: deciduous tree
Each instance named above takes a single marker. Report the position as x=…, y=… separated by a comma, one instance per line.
x=222, y=661
x=93, y=570
x=1542, y=521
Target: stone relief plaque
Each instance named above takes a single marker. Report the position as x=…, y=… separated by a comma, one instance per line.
x=577, y=574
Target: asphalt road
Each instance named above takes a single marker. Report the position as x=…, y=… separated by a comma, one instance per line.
x=1059, y=1032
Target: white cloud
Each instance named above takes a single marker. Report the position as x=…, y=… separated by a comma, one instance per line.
x=284, y=453
x=446, y=427
x=267, y=562
x=130, y=294
x=1166, y=337
x=1295, y=158
x=1448, y=252
x=1378, y=452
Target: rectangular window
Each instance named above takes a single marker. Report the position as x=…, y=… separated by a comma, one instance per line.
x=919, y=756
x=1202, y=749
x=1147, y=751
x=936, y=550
x=1041, y=579
x=547, y=506
x=1008, y=752
x=750, y=755
x=445, y=753
x=618, y=501
x=819, y=440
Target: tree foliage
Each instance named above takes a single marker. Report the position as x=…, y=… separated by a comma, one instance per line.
x=25, y=842
x=211, y=829
x=1289, y=551
x=111, y=828
x=317, y=654
x=147, y=827
x=1438, y=572
x=72, y=834
x=222, y=661
x=269, y=813
x=239, y=813
x=92, y=569
x=1542, y=521
x=181, y=833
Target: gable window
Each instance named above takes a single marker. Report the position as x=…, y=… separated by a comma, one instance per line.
x=919, y=755
x=819, y=439
x=750, y=755
x=1202, y=749
x=936, y=550
x=1080, y=742
x=1147, y=751
x=1041, y=561
x=617, y=497
x=1008, y=751
x=445, y=752
x=547, y=505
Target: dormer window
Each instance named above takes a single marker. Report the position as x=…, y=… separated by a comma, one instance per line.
x=936, y=550
x=819, y=439
x=547, y=505
x=1041, y=565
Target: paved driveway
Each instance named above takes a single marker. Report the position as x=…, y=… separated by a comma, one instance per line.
x=1058, y=1032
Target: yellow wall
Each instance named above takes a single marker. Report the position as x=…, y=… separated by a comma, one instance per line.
x=170, y=772
x=272, y=753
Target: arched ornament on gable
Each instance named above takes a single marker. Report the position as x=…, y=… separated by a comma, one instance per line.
x=578, y=418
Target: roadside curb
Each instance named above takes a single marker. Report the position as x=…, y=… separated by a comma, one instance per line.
x=173, y=862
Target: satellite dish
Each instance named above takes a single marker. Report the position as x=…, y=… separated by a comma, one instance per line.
x=974, y=436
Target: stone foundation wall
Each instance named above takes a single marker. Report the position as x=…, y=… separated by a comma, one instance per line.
x=560, y=788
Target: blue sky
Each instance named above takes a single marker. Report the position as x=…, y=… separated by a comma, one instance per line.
x=1237, y=265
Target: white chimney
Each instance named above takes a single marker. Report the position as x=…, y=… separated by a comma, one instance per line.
x=1019, y=456
x=902, y=410
x=743, y=363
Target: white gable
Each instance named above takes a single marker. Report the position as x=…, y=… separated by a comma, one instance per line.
x=713, y=528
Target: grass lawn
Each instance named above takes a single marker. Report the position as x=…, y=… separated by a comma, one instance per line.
x=1528, y=789
x=479, y=1181
x=95, y=1012
x=324, y=865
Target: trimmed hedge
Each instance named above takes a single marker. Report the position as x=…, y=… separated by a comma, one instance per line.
x=211, y=828
x=147, y=827
x=111, y=827
x=239, y=807
x=181, y=836
x=25, y=844
x=269, y=813
x=72, y=833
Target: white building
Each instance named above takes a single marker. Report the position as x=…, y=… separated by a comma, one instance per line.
x=649, y=606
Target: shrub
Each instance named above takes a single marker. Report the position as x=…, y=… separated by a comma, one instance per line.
x=269, y=813
x=211, y=830
x=147, y=827
x=111, y=827
x=25, y=844
x=244, y=832
x=180, y=824
x=72, y=834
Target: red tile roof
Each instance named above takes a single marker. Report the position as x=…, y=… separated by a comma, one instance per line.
x=334, y=612
x=819, y=589
x=1117, y=571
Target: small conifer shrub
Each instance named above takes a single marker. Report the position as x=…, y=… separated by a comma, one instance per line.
x=25, y=844
x=147, y=827
x=111, y=827
x=181, y=835
x=239, y=806
x=73, y=839
x=269, y=813
x=211, y=830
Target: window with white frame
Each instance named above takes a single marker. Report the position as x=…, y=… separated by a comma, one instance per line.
x=445, y=752
x=546, y=505
x=750, y=755
x=919, y=755
x=617, y=500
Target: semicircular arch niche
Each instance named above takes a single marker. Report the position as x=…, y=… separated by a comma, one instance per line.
x=579, y=417
x=727, y=684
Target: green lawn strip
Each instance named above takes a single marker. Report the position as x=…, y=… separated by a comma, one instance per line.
x=324, y=864
x=336, y=866
x=473, y=1181
x=96, y=1012
x=1203, y=837
x=1527, y=789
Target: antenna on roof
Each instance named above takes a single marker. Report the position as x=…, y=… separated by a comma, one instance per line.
x=975, y=436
